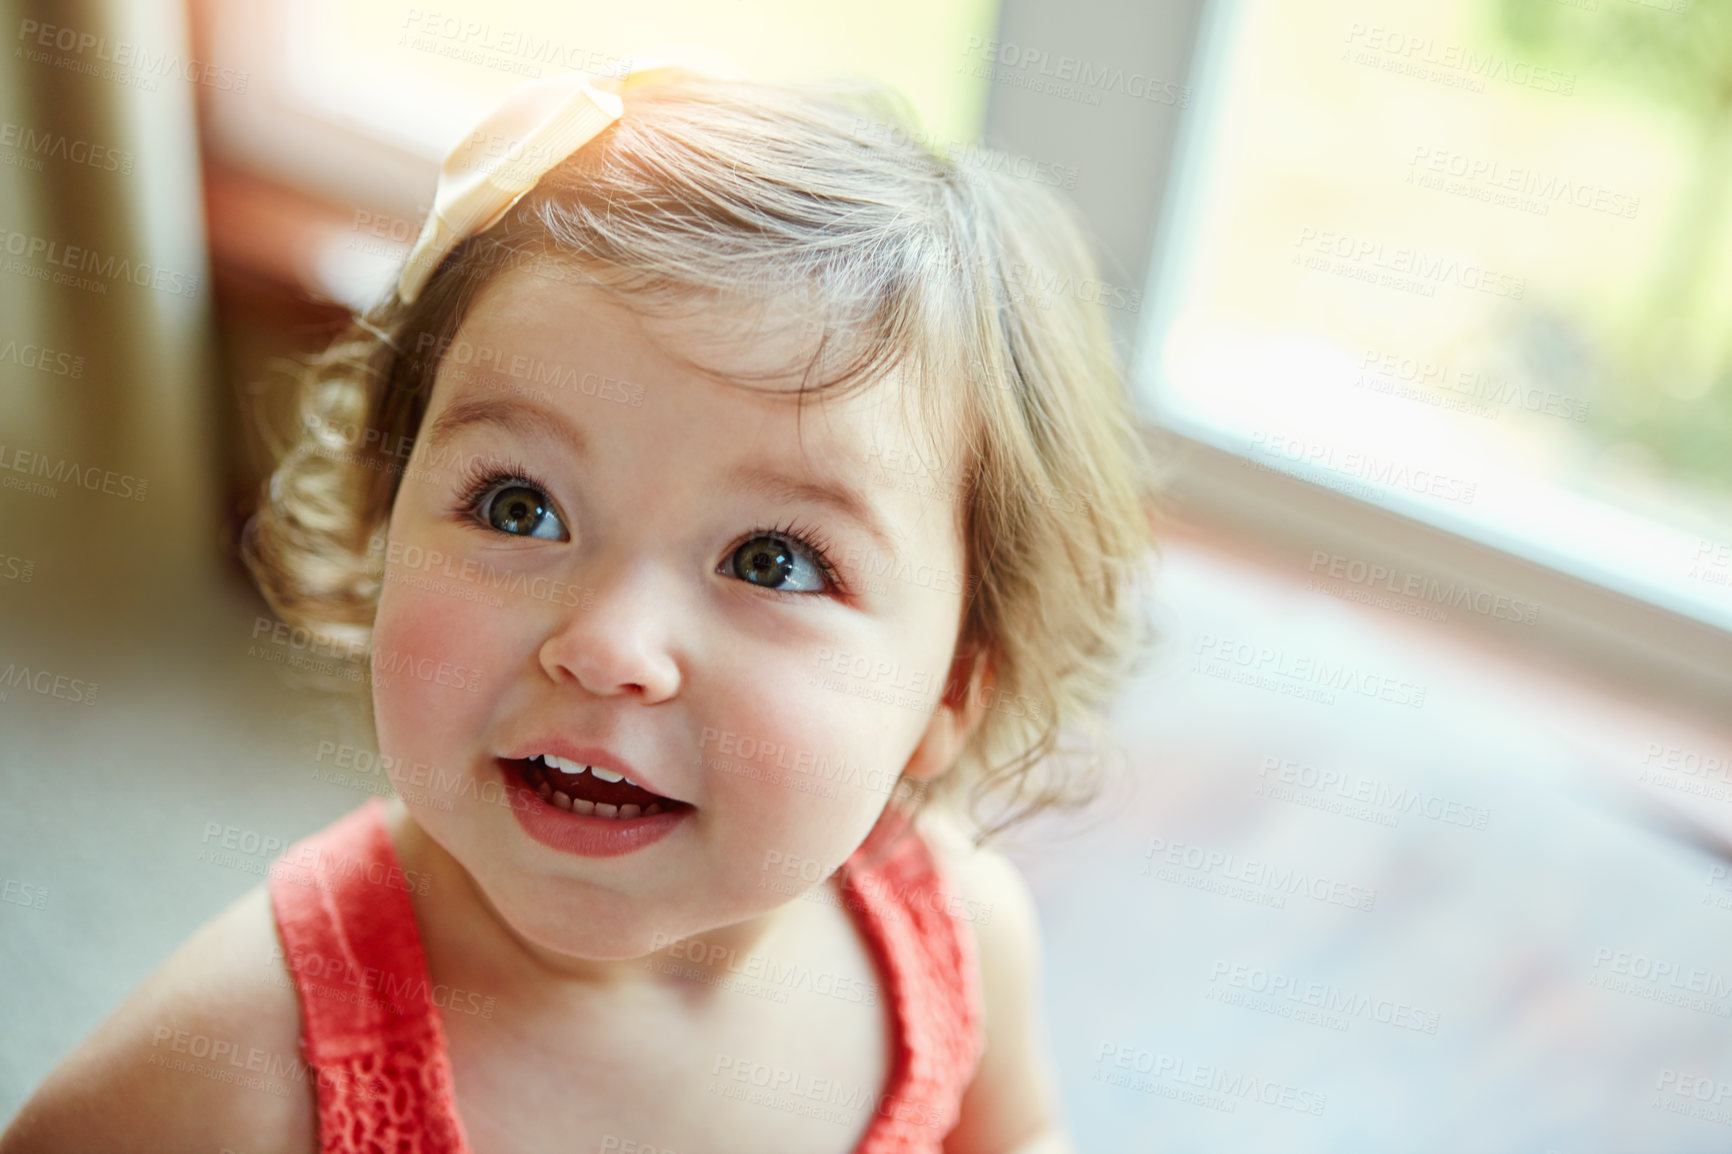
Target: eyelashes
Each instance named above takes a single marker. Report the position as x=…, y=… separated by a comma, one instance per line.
x=483, y=480
x=479, y=478
x=482, y=484
x=808, y=539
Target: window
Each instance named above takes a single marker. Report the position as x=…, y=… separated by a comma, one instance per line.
x=1467, y=263
x=354, y=103
x=409, y=79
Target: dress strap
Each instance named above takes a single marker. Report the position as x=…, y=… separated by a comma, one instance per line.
x=910, y=915
x=370, y=1029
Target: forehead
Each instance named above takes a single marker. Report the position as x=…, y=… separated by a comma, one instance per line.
x=725, y=375
x=543, y=329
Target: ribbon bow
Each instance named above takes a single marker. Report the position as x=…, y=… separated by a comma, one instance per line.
x=536, y=126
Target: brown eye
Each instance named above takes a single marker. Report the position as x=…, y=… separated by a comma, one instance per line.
x=523, y=512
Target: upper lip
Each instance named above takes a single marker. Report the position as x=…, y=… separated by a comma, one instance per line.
x=587, y=755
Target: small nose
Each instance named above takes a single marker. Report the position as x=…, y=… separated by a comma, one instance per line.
x=618, y=641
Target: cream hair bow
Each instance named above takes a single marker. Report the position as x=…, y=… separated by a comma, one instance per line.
x=534, y=128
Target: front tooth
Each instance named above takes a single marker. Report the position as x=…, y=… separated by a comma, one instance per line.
x=630, y=810
x=602, y=809
x=561, y=799
x=579, y=805
x=606, y=775
x=565, y=766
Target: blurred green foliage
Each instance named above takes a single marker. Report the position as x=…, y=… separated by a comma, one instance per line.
x=1662, y=374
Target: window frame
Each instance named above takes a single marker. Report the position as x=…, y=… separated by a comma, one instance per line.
x=1611, y=635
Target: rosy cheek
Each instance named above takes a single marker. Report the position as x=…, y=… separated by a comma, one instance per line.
x=432, y=673
x=793, y=757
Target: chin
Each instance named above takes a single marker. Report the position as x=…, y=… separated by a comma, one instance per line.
x=596, y=925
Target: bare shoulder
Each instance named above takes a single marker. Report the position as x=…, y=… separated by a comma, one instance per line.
x=203, y=1055
x=992, y=896
x=1011, y=1103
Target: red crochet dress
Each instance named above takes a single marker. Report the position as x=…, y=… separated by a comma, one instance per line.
x=371, y=1028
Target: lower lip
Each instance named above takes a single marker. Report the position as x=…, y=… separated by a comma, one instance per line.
x=584, y=834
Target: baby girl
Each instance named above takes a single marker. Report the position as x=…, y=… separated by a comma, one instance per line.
x=746, y=512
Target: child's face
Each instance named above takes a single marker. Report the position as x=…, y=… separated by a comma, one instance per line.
x=578, y=566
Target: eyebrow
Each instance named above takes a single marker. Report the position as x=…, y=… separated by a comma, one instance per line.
x=506, y=413
x=771, y=483
x=532, y=420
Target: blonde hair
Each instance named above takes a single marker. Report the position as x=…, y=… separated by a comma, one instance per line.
x=981, y=288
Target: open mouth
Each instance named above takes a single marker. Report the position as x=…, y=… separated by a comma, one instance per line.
x=589, y=790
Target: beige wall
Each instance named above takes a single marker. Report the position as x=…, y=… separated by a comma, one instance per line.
x=139, y=406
